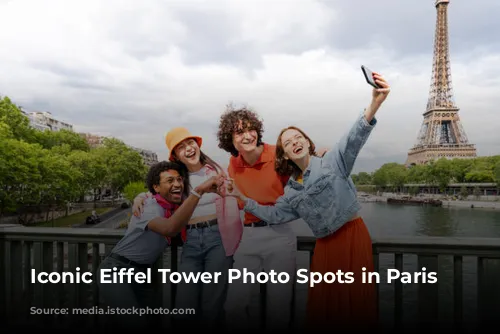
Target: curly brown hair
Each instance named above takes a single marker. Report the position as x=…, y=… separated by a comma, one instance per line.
x=286, y=166
x=229, y=123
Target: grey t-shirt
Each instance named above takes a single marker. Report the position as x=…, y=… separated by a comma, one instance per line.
x=140, y=244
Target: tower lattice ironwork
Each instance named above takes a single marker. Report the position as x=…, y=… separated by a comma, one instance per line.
x=441, y=134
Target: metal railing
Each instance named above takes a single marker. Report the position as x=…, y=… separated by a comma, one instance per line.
x=65, y=249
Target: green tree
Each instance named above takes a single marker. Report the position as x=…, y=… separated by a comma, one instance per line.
x=20, y=176
x=44, y=170
x=413, y=190
x=123, y=164
x=496, y=173
x=464, y=193
x=459, y=169
x=18, y=123
x=49, y=139
x=440, y=173
x=380, y=178
x=393, y=174
x=364, y=178
x=133, y=189
x=418, y=174
x=480, y=170
x=59, y=184
x=477, y=192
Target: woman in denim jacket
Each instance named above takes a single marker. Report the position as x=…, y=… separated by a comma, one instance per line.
x=210, y=238
x=321, y=192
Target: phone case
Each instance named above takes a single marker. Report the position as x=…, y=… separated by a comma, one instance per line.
x=368, y=76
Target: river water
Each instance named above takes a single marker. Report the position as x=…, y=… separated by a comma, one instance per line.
x=389, y=220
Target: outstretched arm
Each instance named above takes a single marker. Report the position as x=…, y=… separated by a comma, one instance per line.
x=152, y=217
x=169, y=227
x=344, y=155
x=174, y=224
x=279, y=213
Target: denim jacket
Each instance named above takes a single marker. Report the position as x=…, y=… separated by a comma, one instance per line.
x=327, y=198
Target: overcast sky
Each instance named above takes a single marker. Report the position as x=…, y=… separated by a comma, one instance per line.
x=134, y=69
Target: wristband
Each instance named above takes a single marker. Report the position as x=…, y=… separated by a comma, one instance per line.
x=195, y=193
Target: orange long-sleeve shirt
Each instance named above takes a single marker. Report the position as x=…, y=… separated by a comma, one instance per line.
x=260, y=181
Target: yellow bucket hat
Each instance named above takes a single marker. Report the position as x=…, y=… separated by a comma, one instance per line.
x=175, y=136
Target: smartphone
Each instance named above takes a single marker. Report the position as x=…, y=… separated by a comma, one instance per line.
x=369, y=76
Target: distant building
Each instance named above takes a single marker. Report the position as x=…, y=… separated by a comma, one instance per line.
x=43, y=120
x=93, y=140
x=149, y=157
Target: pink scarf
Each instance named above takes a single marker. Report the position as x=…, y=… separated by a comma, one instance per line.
x=228, y=217
x=169, y=211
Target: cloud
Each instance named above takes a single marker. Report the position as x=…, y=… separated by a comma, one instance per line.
x=135, y=69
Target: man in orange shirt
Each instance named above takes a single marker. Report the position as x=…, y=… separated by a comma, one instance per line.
x=263, y=247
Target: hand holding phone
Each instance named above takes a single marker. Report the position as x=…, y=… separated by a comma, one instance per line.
x=369, y=77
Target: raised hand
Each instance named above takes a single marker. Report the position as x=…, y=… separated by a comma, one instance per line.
x=232, y=190
x=213, y=185
x=380, y=94
x=321, y=152
x=138, y=206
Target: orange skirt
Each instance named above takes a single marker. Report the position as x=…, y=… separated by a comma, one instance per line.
x=336, y=305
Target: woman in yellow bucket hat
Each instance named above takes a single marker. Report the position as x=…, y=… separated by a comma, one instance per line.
x=211, y=237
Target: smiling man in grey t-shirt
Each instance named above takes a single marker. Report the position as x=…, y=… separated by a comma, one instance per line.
x=146, y=239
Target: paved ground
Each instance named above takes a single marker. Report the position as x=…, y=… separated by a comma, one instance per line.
x=112, y=222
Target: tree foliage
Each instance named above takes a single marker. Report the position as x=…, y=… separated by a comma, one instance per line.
x=440, y=172
x=51, y=168
x=133, y=189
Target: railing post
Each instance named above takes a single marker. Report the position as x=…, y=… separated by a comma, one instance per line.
x=174, y=267
x=398, y=292
x=3, y=278
x=457, y=292
x=83, y=264
x=428, y=294
x=376, y=268
x=481, y=293
x=72, y=301
x=48, y=290
x=60, y=298
x=96, y=262
x=156, y=281
x=488, y=291
x=27, y=286
x=263, y=304
x=16, y=281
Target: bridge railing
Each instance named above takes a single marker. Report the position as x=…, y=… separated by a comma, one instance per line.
x=467, y=273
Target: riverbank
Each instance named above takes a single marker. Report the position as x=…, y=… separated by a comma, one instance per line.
x=368, y=198
x=472, y=204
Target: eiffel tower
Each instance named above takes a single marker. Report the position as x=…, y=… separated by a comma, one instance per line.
x=441, y=134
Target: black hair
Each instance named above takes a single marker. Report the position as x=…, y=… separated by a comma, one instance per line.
x=153, y=177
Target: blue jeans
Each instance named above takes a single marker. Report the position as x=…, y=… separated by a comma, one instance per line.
x=203, y=251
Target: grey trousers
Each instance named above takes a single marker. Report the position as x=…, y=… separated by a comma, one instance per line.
x=123, y=301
